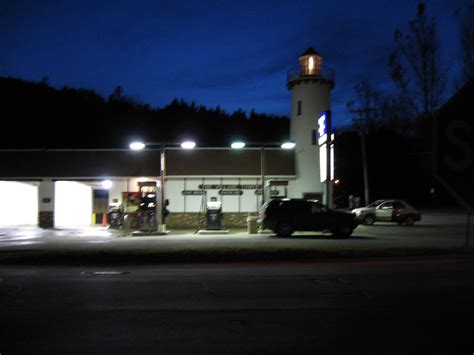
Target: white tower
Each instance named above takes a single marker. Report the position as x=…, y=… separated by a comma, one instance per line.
x=310, y=84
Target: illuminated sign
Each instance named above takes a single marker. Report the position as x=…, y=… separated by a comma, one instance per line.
x=323, y=160
x=322, y=141
x=322, y=129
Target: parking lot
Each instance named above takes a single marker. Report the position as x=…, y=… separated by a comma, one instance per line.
x=436, y=231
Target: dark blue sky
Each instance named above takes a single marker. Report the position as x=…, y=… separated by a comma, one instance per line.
x=228, y=53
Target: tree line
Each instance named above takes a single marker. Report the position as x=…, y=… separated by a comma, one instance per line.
x=40, y=116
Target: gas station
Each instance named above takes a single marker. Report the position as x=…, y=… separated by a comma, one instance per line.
x=153, y=187
x=71, y=191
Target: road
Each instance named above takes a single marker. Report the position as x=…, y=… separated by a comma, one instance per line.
x=410, y=305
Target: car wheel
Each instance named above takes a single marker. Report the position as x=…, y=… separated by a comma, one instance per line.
x=369, y=220
x=409, y=221
x=270, y=224
x=284, y=230
x=343, y=231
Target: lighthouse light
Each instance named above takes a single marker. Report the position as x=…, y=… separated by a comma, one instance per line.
x=311, y=65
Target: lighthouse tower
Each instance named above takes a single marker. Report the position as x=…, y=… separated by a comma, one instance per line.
x=310, y=84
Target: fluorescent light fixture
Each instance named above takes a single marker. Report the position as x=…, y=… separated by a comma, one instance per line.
x=188, y=145
x=237, y=145
x=288, y=145
x=106, y=184
x=137, y=145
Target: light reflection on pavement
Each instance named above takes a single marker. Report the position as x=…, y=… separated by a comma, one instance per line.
x=30, y=236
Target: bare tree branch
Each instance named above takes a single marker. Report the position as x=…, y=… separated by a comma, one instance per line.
x=415, y=65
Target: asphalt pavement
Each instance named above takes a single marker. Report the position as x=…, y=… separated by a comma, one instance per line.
x=437, y=233
x=395, y=306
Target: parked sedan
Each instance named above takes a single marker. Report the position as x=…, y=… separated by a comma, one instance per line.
x=398, y=211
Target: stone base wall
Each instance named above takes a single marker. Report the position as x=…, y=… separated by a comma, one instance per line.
x=46, y=220
x=191, y=220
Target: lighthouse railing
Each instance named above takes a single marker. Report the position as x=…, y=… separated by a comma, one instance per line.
x=317, y=72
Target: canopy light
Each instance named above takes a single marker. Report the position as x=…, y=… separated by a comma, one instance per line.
x=137, y=145
x=288, y=145
x=237, y=145
x=106, y=184
x=188, y=145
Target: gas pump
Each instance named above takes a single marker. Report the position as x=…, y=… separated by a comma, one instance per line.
x=148, y=208
x=214, y=214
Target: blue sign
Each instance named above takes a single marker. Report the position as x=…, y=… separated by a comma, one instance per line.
x=322, y=128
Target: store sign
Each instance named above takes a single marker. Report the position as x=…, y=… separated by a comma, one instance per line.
x=147, y=183
x=193, y=192
x=231, y=192
x=278, y=183
x=322, y=129
x=230, y=187
x=273, y=193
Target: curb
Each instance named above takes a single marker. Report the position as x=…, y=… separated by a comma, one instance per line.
x=70, y=257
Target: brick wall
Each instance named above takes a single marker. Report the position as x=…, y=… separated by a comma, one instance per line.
x=191, y=220
x=46, y=219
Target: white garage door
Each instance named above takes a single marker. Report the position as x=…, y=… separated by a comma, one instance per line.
x=18, y=203
x=72, y=204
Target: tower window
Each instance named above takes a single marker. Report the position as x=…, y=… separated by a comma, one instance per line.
x=314, y=137
x=298, y=108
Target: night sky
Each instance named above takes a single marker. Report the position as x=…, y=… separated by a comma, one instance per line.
x=229, y=53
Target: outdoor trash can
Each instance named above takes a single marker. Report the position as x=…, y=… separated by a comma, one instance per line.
x=252, y=224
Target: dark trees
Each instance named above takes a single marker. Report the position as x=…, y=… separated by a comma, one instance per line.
x=415, y=65
x=35, y=115
x=467, y=41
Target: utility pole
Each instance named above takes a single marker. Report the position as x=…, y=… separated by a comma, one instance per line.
x=362, y=125
x=161, y=218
